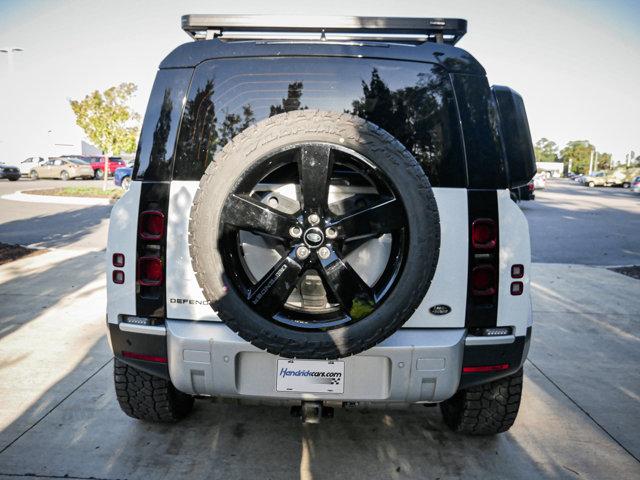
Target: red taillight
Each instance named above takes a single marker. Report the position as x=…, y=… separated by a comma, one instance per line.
x=484, y=234
x=150, y=271
x=486, y=368
x=118, y=277
x=483, y=280
x=142, y=356
x=531, y=187
x=151, y=225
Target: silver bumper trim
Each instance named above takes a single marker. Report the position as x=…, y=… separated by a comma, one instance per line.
x=411, y=366
x=148, y=329
x=489, y=340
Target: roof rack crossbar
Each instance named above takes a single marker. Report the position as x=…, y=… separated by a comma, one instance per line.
x=271, y=27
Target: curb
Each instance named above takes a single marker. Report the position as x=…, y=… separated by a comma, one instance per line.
x=19, y=196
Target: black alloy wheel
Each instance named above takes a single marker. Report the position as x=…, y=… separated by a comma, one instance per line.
x=313, y=240
x=314, y=234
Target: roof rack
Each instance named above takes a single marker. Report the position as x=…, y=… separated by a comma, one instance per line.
x=324, y=28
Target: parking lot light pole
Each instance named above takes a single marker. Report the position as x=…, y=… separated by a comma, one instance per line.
x=10, y=51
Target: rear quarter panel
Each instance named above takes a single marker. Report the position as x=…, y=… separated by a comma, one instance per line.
x=515, y=248
x=123, y=227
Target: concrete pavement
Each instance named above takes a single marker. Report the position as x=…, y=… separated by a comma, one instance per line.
x=59, y=416
x=570, y=223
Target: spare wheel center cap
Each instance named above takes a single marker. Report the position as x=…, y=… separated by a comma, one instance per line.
x=313, y=237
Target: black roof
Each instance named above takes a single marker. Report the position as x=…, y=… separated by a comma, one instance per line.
x=454, y=59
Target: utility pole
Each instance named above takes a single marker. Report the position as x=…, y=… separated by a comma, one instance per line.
x=11, y=51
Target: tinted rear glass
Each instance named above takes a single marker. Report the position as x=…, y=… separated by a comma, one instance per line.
x=413, y=101
x=154, y=158
x=480, y=126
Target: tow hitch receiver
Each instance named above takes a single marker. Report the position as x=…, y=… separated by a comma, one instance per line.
x=311, y=412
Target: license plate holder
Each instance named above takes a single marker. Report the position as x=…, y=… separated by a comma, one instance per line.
x=310, y=376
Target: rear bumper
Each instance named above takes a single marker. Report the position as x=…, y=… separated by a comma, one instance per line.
x=10, y=175
x=413, y=365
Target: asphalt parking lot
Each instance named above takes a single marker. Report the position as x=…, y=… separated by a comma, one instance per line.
x=579, y=417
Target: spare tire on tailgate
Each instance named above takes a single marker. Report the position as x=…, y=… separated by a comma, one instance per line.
x=314, y=234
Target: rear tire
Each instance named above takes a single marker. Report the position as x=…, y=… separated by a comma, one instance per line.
x=485, y=409
x=626, y=185
x=33, y=175
x=98, y=174
x=146, y=397
x=64, y=175
x=591, y=184
x=126, y=183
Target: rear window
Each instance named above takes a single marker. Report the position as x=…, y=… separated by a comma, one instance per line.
x=412, y=101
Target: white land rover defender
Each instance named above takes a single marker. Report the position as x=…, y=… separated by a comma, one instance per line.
x=320, y=216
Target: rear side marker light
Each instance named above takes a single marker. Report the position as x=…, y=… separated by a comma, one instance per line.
x=142, y=356
x=150, y=271
x=483, y=280
x=118, y=277
x=486, y=368
x=517, y=288
x=484, y=234
x=517, y=271
x=151, y=225
x=118, y=260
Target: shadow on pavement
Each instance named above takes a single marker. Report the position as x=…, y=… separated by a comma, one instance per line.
x=26, y=296
x=55, y=230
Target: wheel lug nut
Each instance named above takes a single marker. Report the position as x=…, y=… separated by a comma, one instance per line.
x=295, y=232
x=302, y=252
x=331, y=233
x=324, y=253
x=313, y=219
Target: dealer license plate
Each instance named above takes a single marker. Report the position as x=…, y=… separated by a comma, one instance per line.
x=310, y=376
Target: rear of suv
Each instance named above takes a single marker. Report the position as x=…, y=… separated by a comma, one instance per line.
x=320, y=216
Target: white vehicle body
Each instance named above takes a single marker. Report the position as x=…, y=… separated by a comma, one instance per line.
x=29, y=163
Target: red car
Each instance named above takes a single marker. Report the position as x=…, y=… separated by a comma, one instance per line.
x=97, y=163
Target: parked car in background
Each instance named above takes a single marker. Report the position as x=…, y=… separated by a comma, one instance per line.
x=596, y=179
x=539, y=181
x=9, y=172
x=635, y=184
x=122, y=177
x=98, y=166
x=526, y=192
x=622, y=177
x=30, y=163
x=62, y=168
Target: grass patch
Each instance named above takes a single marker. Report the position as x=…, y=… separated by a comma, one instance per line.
x=93, y=192
x=9, y=253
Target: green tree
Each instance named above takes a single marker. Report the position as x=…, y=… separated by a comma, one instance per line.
x=578, y=152
x=546, y=151
x=108, y=120
x=604, y=161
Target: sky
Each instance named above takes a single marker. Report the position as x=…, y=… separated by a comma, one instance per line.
x=575, y=62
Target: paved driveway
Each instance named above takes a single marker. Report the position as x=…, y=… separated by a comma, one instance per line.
x=570, y=223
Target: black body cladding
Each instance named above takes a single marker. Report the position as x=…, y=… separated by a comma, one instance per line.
x=150, y=300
